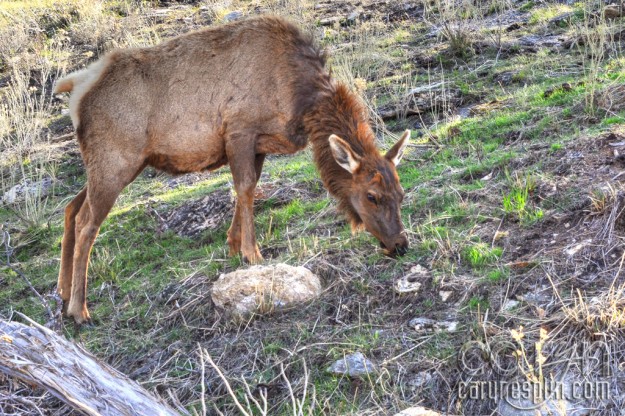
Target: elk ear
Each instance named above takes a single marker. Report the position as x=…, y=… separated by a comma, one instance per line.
x=343, y=154
x=396, y=152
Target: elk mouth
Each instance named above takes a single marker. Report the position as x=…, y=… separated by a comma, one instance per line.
x=397, y=250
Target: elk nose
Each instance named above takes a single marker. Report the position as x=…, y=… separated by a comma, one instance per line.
x=401, y=249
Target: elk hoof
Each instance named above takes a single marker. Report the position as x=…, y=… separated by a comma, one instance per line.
x=79, y=313
x=253, y=258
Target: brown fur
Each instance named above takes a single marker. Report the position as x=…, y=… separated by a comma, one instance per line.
x=225, y=95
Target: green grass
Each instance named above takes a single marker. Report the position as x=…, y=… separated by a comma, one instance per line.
x=475, y=175
x=545, y=14
x=517, y=202
x=479, y=254
x=498, y=275
x=478, y=303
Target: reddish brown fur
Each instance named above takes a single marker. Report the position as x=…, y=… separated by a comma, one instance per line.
x=225, y=95
x=340, y=112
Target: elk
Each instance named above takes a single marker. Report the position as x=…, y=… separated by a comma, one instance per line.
x=224, y=95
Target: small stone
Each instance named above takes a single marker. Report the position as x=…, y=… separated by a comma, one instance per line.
x=510, y=304
x=513, y=26
x=539, y=296
x=450, y=326
x=423, y=324
x=445, y=295
x=546, y=404
x=411, y=282
x=572, y=251
x=353, y=365
x=418, y=380
x=353, y=16
x=330, y=21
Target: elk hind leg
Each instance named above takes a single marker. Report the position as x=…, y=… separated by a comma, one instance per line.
x=104, y=186
x=64, y=286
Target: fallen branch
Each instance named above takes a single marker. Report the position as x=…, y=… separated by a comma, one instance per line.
x=63, y=138
x=38, y=356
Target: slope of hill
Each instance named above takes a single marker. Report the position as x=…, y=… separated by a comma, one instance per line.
x=514, y=206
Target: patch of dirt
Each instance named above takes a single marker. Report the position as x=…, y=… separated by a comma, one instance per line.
x=578, y=236
x=193, y=217
x=348, y=12
x=213, y=211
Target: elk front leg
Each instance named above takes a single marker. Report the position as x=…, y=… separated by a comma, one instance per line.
x=234, y=233
x=242, y=159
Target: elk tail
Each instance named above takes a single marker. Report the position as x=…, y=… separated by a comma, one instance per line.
x=65, y=84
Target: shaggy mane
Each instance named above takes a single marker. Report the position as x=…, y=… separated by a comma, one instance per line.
x=339, y=111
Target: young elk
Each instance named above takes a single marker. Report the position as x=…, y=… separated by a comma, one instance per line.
x=224, y=95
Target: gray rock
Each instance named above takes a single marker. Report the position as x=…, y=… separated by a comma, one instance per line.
x=537, y=41
x=510, y=304
x=540, y=296
x=263, y=289
x=330, y=21
x=351, y=18
x=232, y=16
x=549, y=406
x=28, y=189
x=506, y=77
x=353, y=365
x=430, y=325
x=418, y=380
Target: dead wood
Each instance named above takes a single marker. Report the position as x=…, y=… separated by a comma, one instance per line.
x=43, y=358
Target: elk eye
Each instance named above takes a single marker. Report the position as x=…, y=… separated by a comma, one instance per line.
x=371, y=198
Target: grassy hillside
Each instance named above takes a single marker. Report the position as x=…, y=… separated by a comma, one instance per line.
x=514, y=204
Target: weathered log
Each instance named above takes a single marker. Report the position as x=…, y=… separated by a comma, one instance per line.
x=38, y=356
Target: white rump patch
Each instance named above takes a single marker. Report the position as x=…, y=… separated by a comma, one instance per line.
x=82, y=81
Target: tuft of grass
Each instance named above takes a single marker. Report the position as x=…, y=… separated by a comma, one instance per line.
x=518, y=204
x=498, y=275
x=545, y=14
x=556, y=146
x=478, y=303
x=481, y=254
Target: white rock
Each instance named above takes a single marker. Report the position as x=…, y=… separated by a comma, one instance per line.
x=510, y=304
x=573, y=250
x=264, y=289
x=353, y=365
x=411, y=282
x=445, y=294
x=418, y=411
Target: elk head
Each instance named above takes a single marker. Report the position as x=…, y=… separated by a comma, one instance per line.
x=375, y=194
